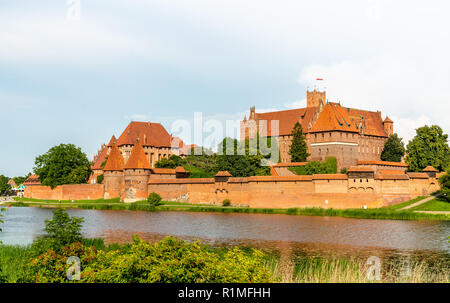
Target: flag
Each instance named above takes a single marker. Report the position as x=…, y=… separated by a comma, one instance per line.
x=319, y=79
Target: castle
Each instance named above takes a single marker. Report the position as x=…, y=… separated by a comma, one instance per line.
x=156, y=142
x=350, y=135
x=355, y=137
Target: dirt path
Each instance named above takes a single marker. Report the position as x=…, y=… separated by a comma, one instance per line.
x=419, y=202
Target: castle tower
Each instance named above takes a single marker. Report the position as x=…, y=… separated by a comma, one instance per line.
x=388, y=125
x=113, y=174
x=315, y=98
x=112, y=141
x=136, y=175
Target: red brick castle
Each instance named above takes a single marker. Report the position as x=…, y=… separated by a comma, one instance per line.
x=348, y=134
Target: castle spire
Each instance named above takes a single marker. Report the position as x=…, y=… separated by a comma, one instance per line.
x=115, y=159
x=138, y=159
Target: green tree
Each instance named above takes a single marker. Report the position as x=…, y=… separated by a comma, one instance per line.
x=63, y=230
x=19, y=180
x=100, y=178
x=63, y=164
x=299, y=149
x=428, y=147
x=165, y=163
x=231, y=157
x=444, y=181
x=5, y=188
x=393, y=150
x=154, y=199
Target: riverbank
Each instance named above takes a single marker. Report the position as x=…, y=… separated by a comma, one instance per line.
x=386, y=213
x=273, y=266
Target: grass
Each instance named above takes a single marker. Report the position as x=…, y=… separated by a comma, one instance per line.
x=407, y=203
x=113, y=200
x=434, y=205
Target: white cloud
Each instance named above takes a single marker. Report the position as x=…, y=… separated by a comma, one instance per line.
x=50, y=38
x=396, y=85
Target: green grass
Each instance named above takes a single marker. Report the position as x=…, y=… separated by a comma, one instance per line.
x=404, y=204
x=388, y=213
x=434, y=205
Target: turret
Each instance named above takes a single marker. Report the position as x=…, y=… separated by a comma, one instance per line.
x=113, y=174
x=388, y=125
x=315, y=98
x=136, y=175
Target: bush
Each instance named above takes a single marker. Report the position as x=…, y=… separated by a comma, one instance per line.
x=154, y=199
x=444, y=181
x=63, y=230
x=100, y=179
x=168, y=261
x=226, y=202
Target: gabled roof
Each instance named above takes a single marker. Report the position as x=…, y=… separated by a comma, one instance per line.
x=138, y=159
x=100, y=159
x=372, y=122
x=287, y=120
x=32, y=180
x=152, y=134
x=223, y=173
x=115, y=159
x=334, y=117
x=430, y=169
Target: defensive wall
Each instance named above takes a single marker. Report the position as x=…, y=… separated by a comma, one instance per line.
x=357, y=189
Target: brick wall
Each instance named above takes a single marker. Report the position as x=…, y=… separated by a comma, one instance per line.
x=66, y=192
x=335, y=191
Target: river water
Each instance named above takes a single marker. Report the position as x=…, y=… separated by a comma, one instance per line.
x=298, y=234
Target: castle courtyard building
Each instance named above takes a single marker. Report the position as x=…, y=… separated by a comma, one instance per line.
x=331, y=130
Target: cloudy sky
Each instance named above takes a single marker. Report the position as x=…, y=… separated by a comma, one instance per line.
x=80, y=71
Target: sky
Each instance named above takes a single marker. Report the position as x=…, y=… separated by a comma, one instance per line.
x=78, y=71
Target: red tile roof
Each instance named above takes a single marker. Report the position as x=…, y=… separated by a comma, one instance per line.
x=138, y=159
x=360, y=169
x=391, y=172
x=386, y=163
x=430, y=169
x=180, y=169
x=32, y=180
x=163, y=171
x=100, y=158
x=112, y=141
x=152, y=134
x=223, y=174
x=115, y=160
x=287, y=120
x=333, y=117
x=418, y=175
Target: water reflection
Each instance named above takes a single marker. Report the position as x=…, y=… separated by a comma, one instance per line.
x=294, y=234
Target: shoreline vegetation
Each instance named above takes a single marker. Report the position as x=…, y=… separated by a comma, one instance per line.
x=393, y=212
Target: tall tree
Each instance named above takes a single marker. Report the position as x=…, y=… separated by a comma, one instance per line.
x=428, y=147
x=5, y=188
x=299, y=149
x=63, y=164
x=445, y=185
x=393, y=150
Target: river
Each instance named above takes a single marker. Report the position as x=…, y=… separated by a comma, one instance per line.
x=298, y=234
